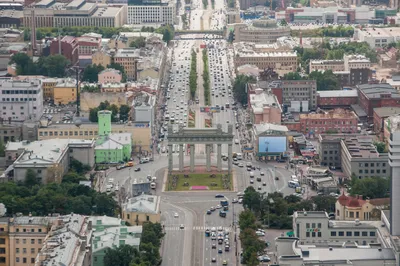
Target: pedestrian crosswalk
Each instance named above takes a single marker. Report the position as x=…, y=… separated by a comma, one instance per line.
x=193, y=228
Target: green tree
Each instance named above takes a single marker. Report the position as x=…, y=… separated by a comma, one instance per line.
x=292, y=76
x=2, y=149
x=247, y=219
x=231, y=36
x=193, y=75
x=283, y=22
x=380, y=147
x=324, y=203
x=72, y=177
x=167, y=32
x=325, y=80
x=124, y=112
x=138, y=42
x=31, y=178
x=240, y=88
x=91, y=72
x=53, y=65
x=105, y=205
x=93, y=114
x=120, y=256
x=373, y=187
x=252, y=199
x=79, y=167
x=24, y=63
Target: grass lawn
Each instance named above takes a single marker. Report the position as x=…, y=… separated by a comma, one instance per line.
x=199, y=180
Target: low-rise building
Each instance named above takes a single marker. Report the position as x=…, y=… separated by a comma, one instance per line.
x=388, y=59
x=322, y=65
x=330, y=149
x=50, y=158
x=69, y=48
x=110, y=232
x=48, y=85
x=68, y=242
x=337, y=98
x=102, y=58
x=377, y=37
x=21, y=99
x=336, y=120
x=262, y=30
x=65, y=91
x=110, y=75
x=294, y=95
x=141, y=209
x=360, y=158
x=143, y=107
x=349, y=208
x=10, y=132
x=380, y=114
x=88, y=43
x=377, y=95
x=265, y=107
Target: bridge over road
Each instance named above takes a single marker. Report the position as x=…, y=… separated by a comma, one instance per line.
x=181, y=33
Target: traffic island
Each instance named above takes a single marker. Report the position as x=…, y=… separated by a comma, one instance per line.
x=199, y=181
x=192, y=119
x=208, y=123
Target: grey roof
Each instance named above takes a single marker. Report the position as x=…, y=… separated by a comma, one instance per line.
x=387, y=111
x=312, y=214
x=375, y=90
x=338, y=93
x=116, y=236
x=114, y=141
x=261, y=128
x=358, y=110
x=143, y=204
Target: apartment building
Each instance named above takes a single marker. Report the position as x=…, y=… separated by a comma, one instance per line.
x=336, y=120
x=377, y=37
x=361, y=158
x=26, y=238
x=262, y=30
x=102, y=58
x=65, y=91
x=21, y=99
x=4, y=241
x=48, y=85
x=128, y=59
x=322, y=65
x=163, y=13
x=110, y=76
x=295, y=95
x=349, y=208
x=140, y=209
x=88, y=43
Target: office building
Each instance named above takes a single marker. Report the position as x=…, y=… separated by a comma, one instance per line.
x=50, y=13
x=21, y=99
x=360, y=158
x=336, y=120
x=330, y=149
x=377, y=95
x=69, y=48
x=50, y=158
x=26, y=237
x=141, y=209
x=331, y=15
x=163, y=13
x=69, y=242
x=349, y=208
x=337, y=98
x=262, y=30
x=10, y=131
x=295, y=96
x=264, y=106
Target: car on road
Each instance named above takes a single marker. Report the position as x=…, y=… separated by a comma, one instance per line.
x=213, y=246
x=220, y=251
x=234, y=201
x=220, y=228
x=259, y=233
x=240, y=165
x=218, y=207
x=219, y=196
x=182, y=226
x=213, y=229
x=261, y=173
x=212, y=209
x=240, y=201
x=259, y=188
x=137, y=169
x=264, y=184
x=209, y=212
x=120, y=167
x=213, y=260
x=176, y=215
x=264, y=258
x=224, y=262
x=251, y=181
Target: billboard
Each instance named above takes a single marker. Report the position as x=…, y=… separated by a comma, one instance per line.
x=276, y=144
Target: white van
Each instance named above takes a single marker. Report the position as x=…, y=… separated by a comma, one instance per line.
x=239, y=156
x=294, y=177
x=251, y=174
x=293, y=184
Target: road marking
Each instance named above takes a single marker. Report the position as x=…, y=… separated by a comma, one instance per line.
x=194, y=228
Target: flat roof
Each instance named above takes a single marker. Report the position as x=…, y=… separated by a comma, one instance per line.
x=104, y=11
x=312, y=214
x=261, y=128
x=387, y=111
x=374, y=91
x=338, y=93
x=377, y=32
x=361, y=147
x=331, y=114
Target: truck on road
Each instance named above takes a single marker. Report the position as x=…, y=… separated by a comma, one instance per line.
x=153, y=185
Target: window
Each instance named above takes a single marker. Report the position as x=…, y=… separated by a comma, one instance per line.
x=357, y=233
x=17, y=250
x=32, y=260
x=24, y=260
x=128, y=216
x=32, y=251
x=2, y=251
x=349, y=233
x=351, y=214
x=24, y=250
x=17, y=259
x=32, y=241
x=319, y=225
x=313, y=225
x=341, y=233
x=364, y=233
x=17, y=241
x=307, y=234
x=372, y=233
x=17, y=230
x=39, y=230
x=24, y=241
x=147, y=218
x=32, y=230
x=39, y=241
x=2, y=260
x=2, y=241
x=319, y=234
x=333, y=233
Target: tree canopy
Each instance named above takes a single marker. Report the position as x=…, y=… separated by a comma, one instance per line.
x=51, y=66
x=240, y=88
x=121, y=113
x=91, y=72
x=138, y=42
x=371, y=187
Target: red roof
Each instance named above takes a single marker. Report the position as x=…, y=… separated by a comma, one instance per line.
x=350, y=201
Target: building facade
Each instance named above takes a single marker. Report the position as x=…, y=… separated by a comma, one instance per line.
x=110, y=76
x=322, y=65
x=21, y=99
x=141, y=209
x=161, y=13
x=128, y=59
x=65, y=92
x=265, y=107
x=69, y=48
x=87, y=44
x=337, y=98
x=350, y=208
x=101, y=58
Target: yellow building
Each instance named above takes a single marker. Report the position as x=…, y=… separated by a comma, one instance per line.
x=351, y=208
x=141, y=132
x=65, y=91
x=26, y=236
x=4, y=242
x=128, y=58
x=101, y=58
x=48, y=88
x=141, y=209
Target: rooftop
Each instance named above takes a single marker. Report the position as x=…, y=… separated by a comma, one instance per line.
x=108, y=70
x=260, y=54
x=375, y=91
x=143, y=204
x=338, y=93
x=361, y=147
x=331, y=114
x=262, y=128
x=312, y=214
x=387, y=111
x=114, y=141
x=326, y=62
x=381, y=32
x=261, y=99
x=128, y=52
